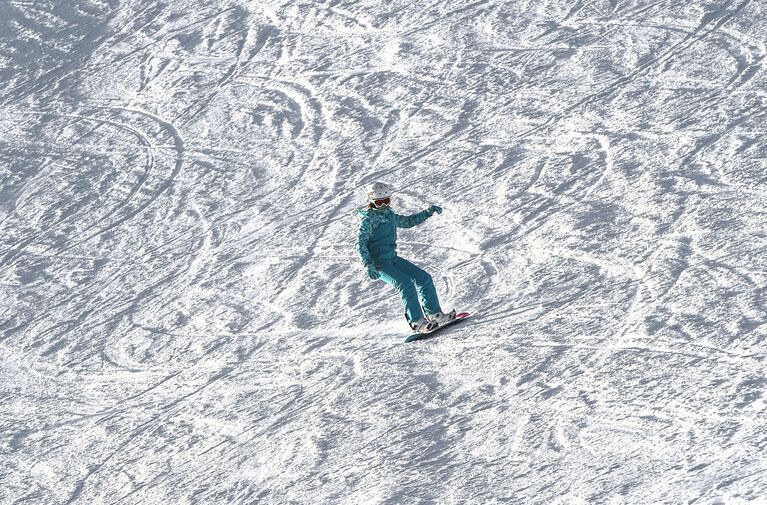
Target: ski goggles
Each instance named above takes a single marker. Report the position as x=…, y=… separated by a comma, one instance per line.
x=381, y=202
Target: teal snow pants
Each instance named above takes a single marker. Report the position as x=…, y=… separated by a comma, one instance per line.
x=414, y=285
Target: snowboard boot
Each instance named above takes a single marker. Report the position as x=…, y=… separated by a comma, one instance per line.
x=441, y=318
x=422, y=325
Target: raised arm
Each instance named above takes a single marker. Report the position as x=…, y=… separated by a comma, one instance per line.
x=416, y=219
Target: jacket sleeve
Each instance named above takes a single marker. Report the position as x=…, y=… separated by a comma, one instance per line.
x=363, y=237
x=413, y=219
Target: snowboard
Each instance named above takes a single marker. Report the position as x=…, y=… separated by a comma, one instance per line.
x=461, y=316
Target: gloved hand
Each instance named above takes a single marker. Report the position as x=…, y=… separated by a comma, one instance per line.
x=373, y=273
x=435, y=208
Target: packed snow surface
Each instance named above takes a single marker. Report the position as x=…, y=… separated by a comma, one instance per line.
x=184, y=318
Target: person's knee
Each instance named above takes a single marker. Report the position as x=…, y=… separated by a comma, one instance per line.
x=424, y=279
x=406, y=289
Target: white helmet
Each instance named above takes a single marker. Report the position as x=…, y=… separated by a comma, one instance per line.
x=379, y=190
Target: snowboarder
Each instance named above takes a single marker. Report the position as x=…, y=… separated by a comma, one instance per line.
x=377, y=247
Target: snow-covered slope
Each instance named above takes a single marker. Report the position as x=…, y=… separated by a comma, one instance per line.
x=183, y=318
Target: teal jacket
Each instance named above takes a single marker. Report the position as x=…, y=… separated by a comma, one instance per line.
x=377, y=236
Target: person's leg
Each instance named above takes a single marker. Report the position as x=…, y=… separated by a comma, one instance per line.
x=403, y=283
x=427, y=294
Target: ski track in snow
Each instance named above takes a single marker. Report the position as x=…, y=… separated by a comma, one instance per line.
x=184, y=318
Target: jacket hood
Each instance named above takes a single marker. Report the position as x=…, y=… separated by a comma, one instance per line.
x=364, y=211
